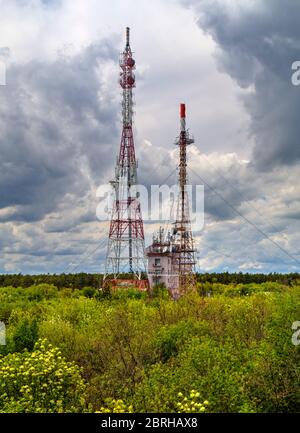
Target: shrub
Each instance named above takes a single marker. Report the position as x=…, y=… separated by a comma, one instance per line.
x=26, y=335
x=41, y=381
x=160, y=291
x=191, y=403
x=115, y=406
x=170, y=339
x=89, y=292
x=41, y=291
x=128, y=293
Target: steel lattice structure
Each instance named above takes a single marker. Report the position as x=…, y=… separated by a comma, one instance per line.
x=125, y=251
x=183, y=243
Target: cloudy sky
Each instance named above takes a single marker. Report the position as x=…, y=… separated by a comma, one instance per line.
x=229, y=61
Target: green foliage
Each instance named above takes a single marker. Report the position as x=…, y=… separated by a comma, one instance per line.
x=89, y=292
x=41, y=291
x=40, y=381
x=115, y=406
x=160, y=291
x=170, y=339
x=73, y=281
x=191, y=403
x=230, y=342
x=26, y=335
x=128, y=293
x=81, y=280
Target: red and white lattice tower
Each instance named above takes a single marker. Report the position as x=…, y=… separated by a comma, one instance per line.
x=171, y=256
x=183, y=242
x=125, y=251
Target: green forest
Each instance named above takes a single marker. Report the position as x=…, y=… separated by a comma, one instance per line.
x=227, y=347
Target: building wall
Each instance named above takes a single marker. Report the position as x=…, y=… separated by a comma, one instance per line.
x=160, y=270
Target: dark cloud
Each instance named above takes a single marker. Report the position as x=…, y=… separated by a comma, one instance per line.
x=257, y=43
x=53, y=126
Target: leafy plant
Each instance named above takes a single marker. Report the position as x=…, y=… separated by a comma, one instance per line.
x=40, y=381
x=26, y=335
x=191, y=403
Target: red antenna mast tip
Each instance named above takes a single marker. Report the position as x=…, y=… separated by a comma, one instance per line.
x=182, y=111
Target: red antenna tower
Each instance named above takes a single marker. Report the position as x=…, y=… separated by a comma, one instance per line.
x=125, y=251
x=184, y=257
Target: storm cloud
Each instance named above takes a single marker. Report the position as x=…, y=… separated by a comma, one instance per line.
x=257, y=42
x=56, y=124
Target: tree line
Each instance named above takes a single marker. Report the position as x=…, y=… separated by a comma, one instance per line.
x=82, y=279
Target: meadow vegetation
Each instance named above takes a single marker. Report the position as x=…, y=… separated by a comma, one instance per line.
x=226, y=348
